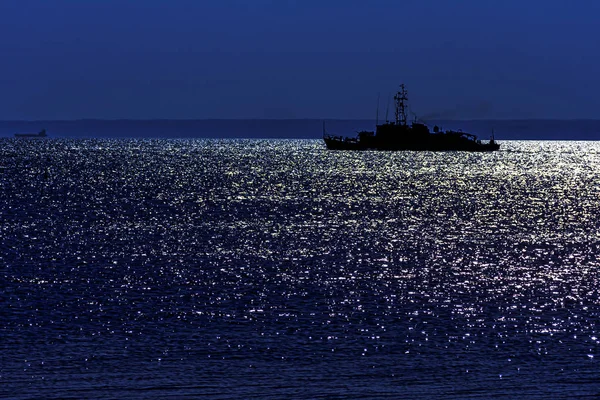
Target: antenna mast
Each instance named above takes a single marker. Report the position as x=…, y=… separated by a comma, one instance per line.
x=377, y=114
x=401, y=98
x=387, y=110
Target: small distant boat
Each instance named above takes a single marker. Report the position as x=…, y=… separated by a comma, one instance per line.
x=40, y=134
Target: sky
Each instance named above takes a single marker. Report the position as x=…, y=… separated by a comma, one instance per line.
x=192, y=59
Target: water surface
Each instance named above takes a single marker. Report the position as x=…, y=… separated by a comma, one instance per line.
x=278, y=269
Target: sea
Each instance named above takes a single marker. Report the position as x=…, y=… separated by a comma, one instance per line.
x=276, y=269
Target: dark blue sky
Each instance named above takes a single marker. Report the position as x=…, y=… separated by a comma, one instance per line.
x=68, y=59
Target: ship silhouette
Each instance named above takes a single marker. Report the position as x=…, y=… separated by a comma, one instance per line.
x=40, y=134
x=400, y=136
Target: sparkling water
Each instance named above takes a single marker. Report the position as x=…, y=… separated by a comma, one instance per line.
x=277, y=269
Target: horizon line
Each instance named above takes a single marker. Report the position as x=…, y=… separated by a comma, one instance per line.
x=281, y=119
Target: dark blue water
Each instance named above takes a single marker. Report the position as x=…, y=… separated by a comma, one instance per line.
x=277, y=269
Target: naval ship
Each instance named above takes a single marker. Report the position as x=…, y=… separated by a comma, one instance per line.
x=399, y=135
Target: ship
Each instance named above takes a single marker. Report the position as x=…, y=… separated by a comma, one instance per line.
x=40, y=134
x=399, y=135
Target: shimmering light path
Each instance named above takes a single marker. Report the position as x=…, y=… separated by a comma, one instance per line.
x=277, y=269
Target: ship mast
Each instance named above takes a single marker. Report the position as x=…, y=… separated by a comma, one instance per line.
x=401, y=98
x=377, y=113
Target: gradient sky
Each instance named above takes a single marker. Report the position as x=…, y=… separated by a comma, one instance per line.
x=70, y=59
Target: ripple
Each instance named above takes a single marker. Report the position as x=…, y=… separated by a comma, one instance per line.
x=169, y=267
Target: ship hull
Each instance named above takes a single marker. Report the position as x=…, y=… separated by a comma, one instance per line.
x=27, y=136
x=416, y=137
x=343, y=144
x=429, y=145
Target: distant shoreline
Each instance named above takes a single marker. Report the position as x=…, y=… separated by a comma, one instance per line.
x=305, y=128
